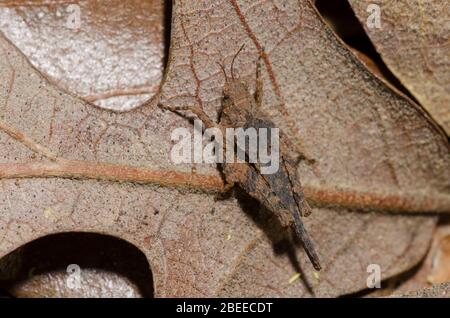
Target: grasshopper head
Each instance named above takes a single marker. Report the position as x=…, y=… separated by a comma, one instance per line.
x=237, y=104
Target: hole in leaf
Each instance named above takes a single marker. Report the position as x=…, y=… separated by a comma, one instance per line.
x=48, y=267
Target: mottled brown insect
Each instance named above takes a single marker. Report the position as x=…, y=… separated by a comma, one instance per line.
x=280, y=192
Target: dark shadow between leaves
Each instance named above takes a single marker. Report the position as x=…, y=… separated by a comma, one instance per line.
x=339, y=15
x=167, y=30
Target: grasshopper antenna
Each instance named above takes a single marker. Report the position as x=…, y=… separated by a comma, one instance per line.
x=234, y=58
x=223, y=70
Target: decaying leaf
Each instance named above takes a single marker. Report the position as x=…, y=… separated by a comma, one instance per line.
x=440, y=257
x=110, y=173
x=96, y=49
x=432, y=270
x=437, y=291
x=413, y=41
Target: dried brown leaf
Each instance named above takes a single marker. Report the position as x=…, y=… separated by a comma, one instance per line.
x=413, y=41
x=98, y=54
x=437, y=291
x=106, y=172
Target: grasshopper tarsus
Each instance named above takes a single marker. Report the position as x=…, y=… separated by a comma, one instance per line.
x=226, y=193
